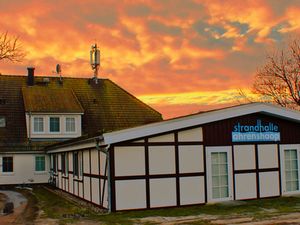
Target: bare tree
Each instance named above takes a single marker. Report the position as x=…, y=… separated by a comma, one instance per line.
x=10, y=48
x=278, y=81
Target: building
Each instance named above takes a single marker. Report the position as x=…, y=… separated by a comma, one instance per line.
x=245, y=152
x=99, y=143
x=36, y=112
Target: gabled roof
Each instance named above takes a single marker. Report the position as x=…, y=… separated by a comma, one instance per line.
x=199, y=119
x=49, y=100
x=107, y=107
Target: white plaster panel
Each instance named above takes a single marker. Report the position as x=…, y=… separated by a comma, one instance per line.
x=269, y=184
x=95, y=191
x=129, y=161
x=161, y=159
x=70, y=157
x=192, y=190
x=94, y=161
x=191, y=158
x=67, y=184
x=71, y=183
x=75, y=188
x=87, y=191
x=130, y=194
x=162, y=192
x=59, y=161
x=81, y=189
x=245, y=186
x=244, y=157
x=163, y=138
x=105, y=200
x=102, y=163
x=86, y=162
x=195, y=134
x=267, y=156
x=139, y=141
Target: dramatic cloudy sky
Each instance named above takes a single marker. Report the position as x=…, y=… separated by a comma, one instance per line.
x=178, y=56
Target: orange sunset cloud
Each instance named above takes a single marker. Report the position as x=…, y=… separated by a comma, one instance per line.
x=180, y=57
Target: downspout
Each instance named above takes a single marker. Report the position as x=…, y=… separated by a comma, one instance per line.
x=29, y=128
x=105, y=150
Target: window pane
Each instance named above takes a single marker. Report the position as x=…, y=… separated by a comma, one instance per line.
x=7, y=164
x=38, y=124
x=70, y=124
x=291, y=170
x=54, y=124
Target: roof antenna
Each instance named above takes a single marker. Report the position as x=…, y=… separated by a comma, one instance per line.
x=58, y=71
x=95, y=61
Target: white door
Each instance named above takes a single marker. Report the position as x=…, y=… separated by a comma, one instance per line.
x=219, y=173
x=289, y=158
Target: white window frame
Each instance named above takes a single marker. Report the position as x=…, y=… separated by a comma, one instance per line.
x=282, y=167
x=32, y=124
x=228, y=150
x=49, y=122
x=70, y=132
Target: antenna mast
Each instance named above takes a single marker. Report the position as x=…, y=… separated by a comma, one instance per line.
x=95, y=61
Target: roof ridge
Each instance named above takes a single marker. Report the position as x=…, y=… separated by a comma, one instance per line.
x=50, y=76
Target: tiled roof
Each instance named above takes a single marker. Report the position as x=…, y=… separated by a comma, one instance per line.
x=49, y=100
x=107, y=107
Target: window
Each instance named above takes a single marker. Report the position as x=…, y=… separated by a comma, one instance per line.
x=70, y=124
x=54, y=124
x=77, y=164
x=220, y=187
x=2, y=121
x=7, y=164
x=40, y=163
x=291, y=170
x=54, y=163
x=64, y=163
x=38, y=124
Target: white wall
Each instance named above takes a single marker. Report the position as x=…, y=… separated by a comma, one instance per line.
x=24, y=170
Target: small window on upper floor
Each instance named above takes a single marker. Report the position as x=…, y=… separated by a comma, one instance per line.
x=38, y=124
x=54, y=124
x=2, y=121
x=70, y=124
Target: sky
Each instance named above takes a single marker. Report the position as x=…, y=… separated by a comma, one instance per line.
x=178, y=56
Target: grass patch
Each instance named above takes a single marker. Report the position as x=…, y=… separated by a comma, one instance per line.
x=55, y=207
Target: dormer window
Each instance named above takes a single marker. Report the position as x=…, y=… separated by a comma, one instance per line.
x=2, y=121
x=54, y=124
x=70, y=124
x=38, y=124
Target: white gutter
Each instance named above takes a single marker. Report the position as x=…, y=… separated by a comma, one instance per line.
x=105, y=150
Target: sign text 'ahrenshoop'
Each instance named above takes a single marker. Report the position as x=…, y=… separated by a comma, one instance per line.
x=259, y=132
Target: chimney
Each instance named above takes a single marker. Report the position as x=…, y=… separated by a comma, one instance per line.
x=30, y=79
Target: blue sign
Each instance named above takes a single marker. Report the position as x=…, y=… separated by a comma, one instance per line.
x=255, y=133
